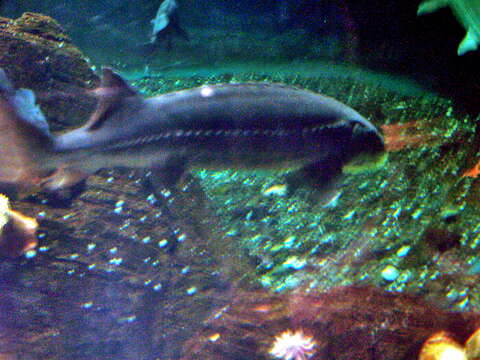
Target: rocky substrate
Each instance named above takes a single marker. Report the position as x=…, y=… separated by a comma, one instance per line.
x=121, y=272
x=36, y=53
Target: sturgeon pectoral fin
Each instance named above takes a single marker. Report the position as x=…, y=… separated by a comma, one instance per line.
x=63, y=178
x=166, y=175
x=64, y=185
x=322, y=175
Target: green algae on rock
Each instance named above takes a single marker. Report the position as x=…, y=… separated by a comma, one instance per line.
x=358, y=233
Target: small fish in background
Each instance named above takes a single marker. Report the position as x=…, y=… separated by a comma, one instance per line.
x=162, y=19
x=282, y=9
x=166, y=24
x=250, y=125
x=467, y=13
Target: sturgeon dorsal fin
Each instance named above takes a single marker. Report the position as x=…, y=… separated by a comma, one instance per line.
x=113, y=89
x=110, y=79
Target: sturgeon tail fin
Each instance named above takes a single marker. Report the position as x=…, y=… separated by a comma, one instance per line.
x=25, y=138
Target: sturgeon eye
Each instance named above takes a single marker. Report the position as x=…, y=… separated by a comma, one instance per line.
x=358, y=128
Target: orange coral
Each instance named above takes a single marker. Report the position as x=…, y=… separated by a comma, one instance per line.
x=405, y=135
x=473, y=172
